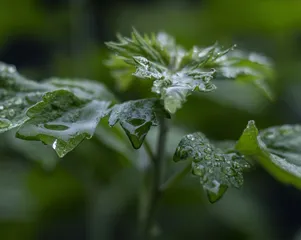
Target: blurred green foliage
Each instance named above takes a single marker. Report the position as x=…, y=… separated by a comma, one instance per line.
x=92, y=192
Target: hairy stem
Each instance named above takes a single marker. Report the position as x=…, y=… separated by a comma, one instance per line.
x=152, y=183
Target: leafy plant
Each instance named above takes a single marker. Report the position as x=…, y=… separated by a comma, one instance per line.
x=64, y=112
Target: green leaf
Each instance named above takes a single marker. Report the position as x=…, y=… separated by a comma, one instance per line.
x=137, y=117
x=58, y=112
x=121, y=72
x=62, y=120
x=252, y=68
x=277, y=149
x=84, y=89
x=217, y=169
x=17, y=94
x=176, y=73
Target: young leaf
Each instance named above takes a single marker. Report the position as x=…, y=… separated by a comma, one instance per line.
x=136, y=118
x=217, y=169
x=176, y=72
x=62, y=120
x=173, y=70
x=276, y=148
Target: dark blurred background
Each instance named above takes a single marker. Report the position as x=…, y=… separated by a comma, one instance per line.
x=92, y=192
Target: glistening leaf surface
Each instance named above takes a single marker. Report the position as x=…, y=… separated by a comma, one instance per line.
x=276, y=148
x=137, y=117
x=171, y=68
x=217, y=169
x=62, y=120
x=58, y=112
x=176, y=72
x=253, y=68
x=17, y=94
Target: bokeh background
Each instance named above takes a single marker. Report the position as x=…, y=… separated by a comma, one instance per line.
x=92, y=192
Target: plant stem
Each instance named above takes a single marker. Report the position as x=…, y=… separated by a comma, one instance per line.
x=149, y=151
x=152, y=183
x=175, y=178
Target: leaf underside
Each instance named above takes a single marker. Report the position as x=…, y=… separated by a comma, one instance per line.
x=277, y=149
x=217, y=169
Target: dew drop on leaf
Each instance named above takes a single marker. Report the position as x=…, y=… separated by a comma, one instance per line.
x=11, y=112
x=4, y=123
x=54, y=144
x=215, y=190
x=199, y=170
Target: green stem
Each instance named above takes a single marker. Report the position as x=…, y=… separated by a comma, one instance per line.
x=152, y=183
x=175, y=178
x=149, y=151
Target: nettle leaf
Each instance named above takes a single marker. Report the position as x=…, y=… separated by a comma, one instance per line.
x=276, y=148
x=216, y=168
x=62, y=120
x=137, y=117
x=17, y=94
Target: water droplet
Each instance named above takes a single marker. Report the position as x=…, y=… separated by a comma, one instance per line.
x=203, y=179
x=11, y=112
x=215, y=190
x=198, y=170
x=216, y=164
x=1, y=108
x=18, y=101
x=190, y=137
x=228, y=171
x=217, y=158
x=270, y=135
x=11, y=69
x=208, y=150
x=246, y=166
x=4, y=123
x=236, y=165
x=54, y=145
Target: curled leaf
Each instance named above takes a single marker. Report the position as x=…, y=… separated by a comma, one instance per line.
x=136, y=118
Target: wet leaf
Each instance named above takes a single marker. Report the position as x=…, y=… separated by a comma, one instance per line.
x=216, y=168
x=16, y=95
x=58, y=112
x=277, y=149
x=62, y=120
x=176, y=73
x=250, y=68
x=137, y=117
x=82, y=88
